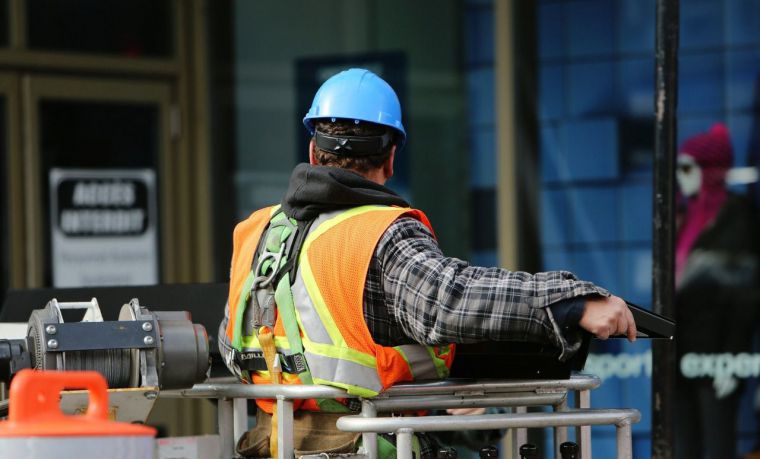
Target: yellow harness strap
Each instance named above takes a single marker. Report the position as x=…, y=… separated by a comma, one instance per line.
x=266, y=339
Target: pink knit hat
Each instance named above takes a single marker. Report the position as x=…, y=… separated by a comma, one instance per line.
x=711, y=148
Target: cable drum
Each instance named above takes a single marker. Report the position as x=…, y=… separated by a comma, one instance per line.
x=113, y=364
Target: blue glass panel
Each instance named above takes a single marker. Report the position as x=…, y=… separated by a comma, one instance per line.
x=743, y=78
x=556, y=259
x=590, y=27
x=551, y=167
x=479, y=35
x=555, y=220
x=480, y=92
x=484, y=258
x=691, y=125
x=591, y=88
x=740, y=127
x=636, y=78
x=600, y=266
x=636, y=212
x=636, y=21
x=551, y=42
x=743, y=18
x=701, y=23
x=594, y=214
x=483, y=159
x=700, y=82
x=551, y=92
x=591, y=148
x=637, y=275
x=748, y=422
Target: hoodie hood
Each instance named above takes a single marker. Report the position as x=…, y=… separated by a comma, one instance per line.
x=318, y=189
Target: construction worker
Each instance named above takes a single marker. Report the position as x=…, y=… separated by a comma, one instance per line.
x=344, y=284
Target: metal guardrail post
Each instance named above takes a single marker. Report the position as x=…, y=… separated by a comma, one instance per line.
x=225, y=418
x=583, y=433
x=369, y=439
x=239, y=417
x=519, y=434
x=284, y=428
x=624, y=440
x=560, y=432
x=404, y=443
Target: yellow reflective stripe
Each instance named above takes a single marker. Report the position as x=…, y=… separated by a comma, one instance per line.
x=341, y=353
x=440, y=364
x=342, y=217
x=353, y=390
x=319, y=303
x=308, y=276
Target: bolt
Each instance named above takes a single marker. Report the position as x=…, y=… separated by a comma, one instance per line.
x=151, y=395
x=147, y=326
x=51, y=330
x=52, y=344
x=148, y=340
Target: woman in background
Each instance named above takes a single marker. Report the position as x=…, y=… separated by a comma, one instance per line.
x=717, y=301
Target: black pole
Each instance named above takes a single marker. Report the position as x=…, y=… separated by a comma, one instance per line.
x=663, y=266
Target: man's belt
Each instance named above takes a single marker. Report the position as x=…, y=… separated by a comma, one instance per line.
x=254, y=361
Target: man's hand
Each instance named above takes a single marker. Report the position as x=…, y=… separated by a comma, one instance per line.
x=609, y=316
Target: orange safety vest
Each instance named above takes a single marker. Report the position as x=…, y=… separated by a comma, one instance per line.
x=328, y=293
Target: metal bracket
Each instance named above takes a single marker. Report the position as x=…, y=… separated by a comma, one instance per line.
x=85, y=336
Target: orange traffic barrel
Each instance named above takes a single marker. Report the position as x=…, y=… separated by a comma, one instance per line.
x=37, y=428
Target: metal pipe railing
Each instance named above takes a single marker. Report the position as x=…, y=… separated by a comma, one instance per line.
x=621, y=419
x=434, y=395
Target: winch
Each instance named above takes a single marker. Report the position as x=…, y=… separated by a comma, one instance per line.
x=142, y=348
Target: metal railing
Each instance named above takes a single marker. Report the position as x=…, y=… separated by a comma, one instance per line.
x=519, y=395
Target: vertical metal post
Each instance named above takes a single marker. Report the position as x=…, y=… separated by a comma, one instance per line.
x=624, y=440
x=284, y=428
x=224, y=415
x=560, y=432
x=404, y=443
x=369, y=439
x=239, y=418
x=663, y=272
x=583, y=433
x=519, y=435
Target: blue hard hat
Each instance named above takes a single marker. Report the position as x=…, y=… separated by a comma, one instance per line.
x=357, y=94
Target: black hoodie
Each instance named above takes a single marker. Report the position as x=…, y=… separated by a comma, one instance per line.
x=317, y=189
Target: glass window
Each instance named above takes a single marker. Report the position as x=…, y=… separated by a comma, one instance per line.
x=96, y=135
x=134, y=28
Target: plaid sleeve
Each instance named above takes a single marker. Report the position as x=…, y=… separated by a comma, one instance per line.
x=436, y=299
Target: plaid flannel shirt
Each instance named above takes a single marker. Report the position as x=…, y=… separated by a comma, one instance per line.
x=414, y=293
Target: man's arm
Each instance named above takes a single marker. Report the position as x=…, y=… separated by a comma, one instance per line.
x=437, y=299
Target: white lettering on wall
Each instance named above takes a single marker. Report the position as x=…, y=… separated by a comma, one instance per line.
x=622, y=365
x=115, y=194
x=102, y=221
x=720, y=366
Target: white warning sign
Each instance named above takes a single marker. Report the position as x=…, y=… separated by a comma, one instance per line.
x=103, y=227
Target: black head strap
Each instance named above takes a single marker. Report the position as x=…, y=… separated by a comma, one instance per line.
x=351, y=145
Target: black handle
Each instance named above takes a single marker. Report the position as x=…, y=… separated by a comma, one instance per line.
x=489, y=451
x=568, y=450
x=529, y=451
